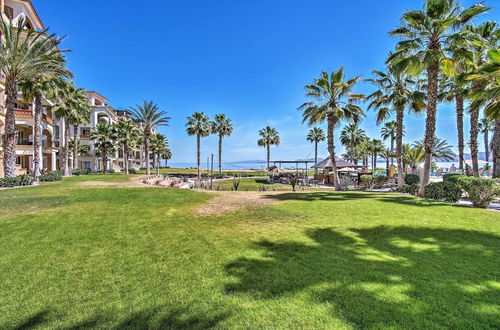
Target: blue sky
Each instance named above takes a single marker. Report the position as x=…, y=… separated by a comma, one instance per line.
x=247, y=59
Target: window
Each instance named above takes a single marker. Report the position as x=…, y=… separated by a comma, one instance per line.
x=56, y=132
x=18, y=160
x=85, y=131
x=86, y=165
x=9, y=12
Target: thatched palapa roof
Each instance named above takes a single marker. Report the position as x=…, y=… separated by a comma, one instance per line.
x=327, y=163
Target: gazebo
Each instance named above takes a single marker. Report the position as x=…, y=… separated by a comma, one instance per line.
x=327, y=166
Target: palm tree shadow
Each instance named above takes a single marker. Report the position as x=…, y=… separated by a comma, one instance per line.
x=382, y=276
x=156, y=318
x=346, y=196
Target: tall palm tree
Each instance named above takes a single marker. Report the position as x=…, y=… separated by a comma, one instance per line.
x=388, y=155
x=127, y=134
x=269, y=136
x=456, y=89
x=413, y=156
x=375, y=146
x=489, y=97
x=424, y=34
x=396, y=92
x=45, y=84
x=483, y=37
x=149, y=116
x=166, y=154
x=351, y=137
x=78, y=146
x=333, y=101
x=81, y=115
x=222, y=126
x=104, y=143
x=388, y=131
x=65, y=110
x=199, y=125
x=159, y=145
x=25, y=54
x=316, y=135
x=485, y=127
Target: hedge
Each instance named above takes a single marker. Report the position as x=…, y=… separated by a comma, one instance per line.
x=51, y=176
x=412, y=179
x=20, y=180
x=481, y=191
x=446, y=190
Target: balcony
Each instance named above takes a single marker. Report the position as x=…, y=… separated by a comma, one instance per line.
x=84, y=136
x=26, y=113
x=47, y=119
x=24, y=143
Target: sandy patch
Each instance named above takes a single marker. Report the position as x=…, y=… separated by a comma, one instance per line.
x=134, y=182
x=226, y=201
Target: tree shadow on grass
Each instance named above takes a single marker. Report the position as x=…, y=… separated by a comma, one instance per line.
x=400, y=277
x=346, y=196
x=157, y=318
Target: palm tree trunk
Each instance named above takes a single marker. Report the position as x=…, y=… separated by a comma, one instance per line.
x=157, y=163
x=105, y=161
x=331, y=150
x=268, y=153
x=487, y=145
x=495, y=147
x=37, y=133
x=220, y=154
x=459, y=105
x=10, y=136
x=146, y=151
x=66, y=149
x=392, y=148
x=430, y=122
x=315, y=156
x=125, y=157
x=75, y=146
x=474, y=132
x=198, y=154
x=399, y=146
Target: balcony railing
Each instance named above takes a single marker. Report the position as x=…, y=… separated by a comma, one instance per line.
x=26, y=113
x=48, y=119
x=84, y=136
x=24, y=143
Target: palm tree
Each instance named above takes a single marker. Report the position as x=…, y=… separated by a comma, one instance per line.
x=78, y=146
x=45, y=84
x=412, y=156
x=269, y=136
x=104, y=142
x=389, y=132
x=65, y=110
x=485, y=127
x=25, y=55
x=455, y=89
x=81, y=110
x=159, y=145
x=316, y=135
x=351, y=137
x=333, y=102
x=199, y=125
x=166, y=154
x=424, y=33
x=149, y=116
x=482, y=37
x=441, y=150
x=396, y=92
x=388, y=155
x=375, y=147
x=222, y=126
x=489, y=97
x=127, y=134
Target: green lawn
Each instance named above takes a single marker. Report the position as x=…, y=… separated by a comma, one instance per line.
x=173, y=171
x=82, y=256
x=252, y=184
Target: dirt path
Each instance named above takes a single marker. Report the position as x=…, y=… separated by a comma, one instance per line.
x=134, y=182
x=226, y=201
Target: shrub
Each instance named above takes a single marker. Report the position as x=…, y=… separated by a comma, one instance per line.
x=219, y=176
x=368, y=180
x=412, y=179
x=236, y=184
x=481, y=191
x=380, y=180
x=132, y=171
x=80, y=171
x=447, y=191
x=293, y=182
x=51, y=176
x=10, y=182
x=454, y=178
x=111, y=171
x=411, y=189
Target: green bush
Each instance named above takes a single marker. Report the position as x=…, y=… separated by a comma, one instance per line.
x=132, y=171
x=447, y=191
x=412, y=179
x=51, y=176
x=411, y=189
x=380, y=180
x=20, y=180
x=368, y=180
x=111, y=171
x=80, y=171
x=481, y=191
x=454, y=178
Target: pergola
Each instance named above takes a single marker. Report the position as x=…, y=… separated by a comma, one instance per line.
x=296, y=162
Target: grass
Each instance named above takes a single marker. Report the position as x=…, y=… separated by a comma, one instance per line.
x=79, y=256
x=173, y=171
x=252, y=184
